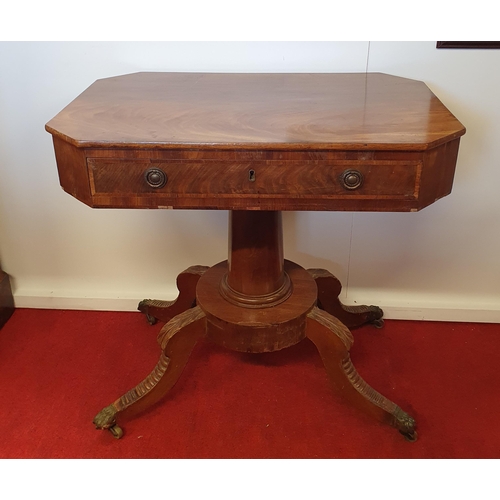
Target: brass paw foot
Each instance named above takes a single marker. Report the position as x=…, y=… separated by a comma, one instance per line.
x=106, y=418
x=405, y=424
x=367, y=314
x=155, y=306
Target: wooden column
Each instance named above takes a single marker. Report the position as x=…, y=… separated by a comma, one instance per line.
x=256, y=276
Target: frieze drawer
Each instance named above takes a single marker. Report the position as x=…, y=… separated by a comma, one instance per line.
x=152, y=178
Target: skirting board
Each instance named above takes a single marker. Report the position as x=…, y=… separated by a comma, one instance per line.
x=415, y=311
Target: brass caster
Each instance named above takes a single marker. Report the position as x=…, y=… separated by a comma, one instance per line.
x=151, y=319
x=116, y=431
x=410, y=436
x=378, y=323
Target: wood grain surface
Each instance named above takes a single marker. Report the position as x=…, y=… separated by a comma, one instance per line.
x=277, y=111
x=256, y=330
x=257, y=142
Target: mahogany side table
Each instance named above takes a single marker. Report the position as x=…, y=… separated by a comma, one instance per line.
x=255, y=145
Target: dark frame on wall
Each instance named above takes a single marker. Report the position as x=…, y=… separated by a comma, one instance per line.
x=468, y=45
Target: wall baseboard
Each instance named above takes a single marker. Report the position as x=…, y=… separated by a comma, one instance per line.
x=410, y=311
x=457, y=315
x=76, y=303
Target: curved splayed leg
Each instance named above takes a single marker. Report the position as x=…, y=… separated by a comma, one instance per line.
x=177, y=339
x=333, y=341
x=329, y=288
x=165, y=310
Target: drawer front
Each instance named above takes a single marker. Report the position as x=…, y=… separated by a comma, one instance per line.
x=310, y=178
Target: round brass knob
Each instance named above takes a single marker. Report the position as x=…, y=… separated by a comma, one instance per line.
x=155, y=177
x=352, y=179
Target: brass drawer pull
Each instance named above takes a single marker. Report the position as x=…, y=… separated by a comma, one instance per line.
x=155, y=177
x=351, y=179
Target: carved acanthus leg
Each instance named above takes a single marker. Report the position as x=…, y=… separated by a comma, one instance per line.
x=333, y=341
x=165, y=310
x=177, y=339
x=329, y=288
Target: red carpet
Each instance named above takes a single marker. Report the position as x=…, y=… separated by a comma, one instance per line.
x=59, y=368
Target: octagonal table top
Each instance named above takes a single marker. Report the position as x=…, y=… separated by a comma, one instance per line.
x=291, y=111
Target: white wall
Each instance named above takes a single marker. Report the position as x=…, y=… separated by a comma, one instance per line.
x=441, y=263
